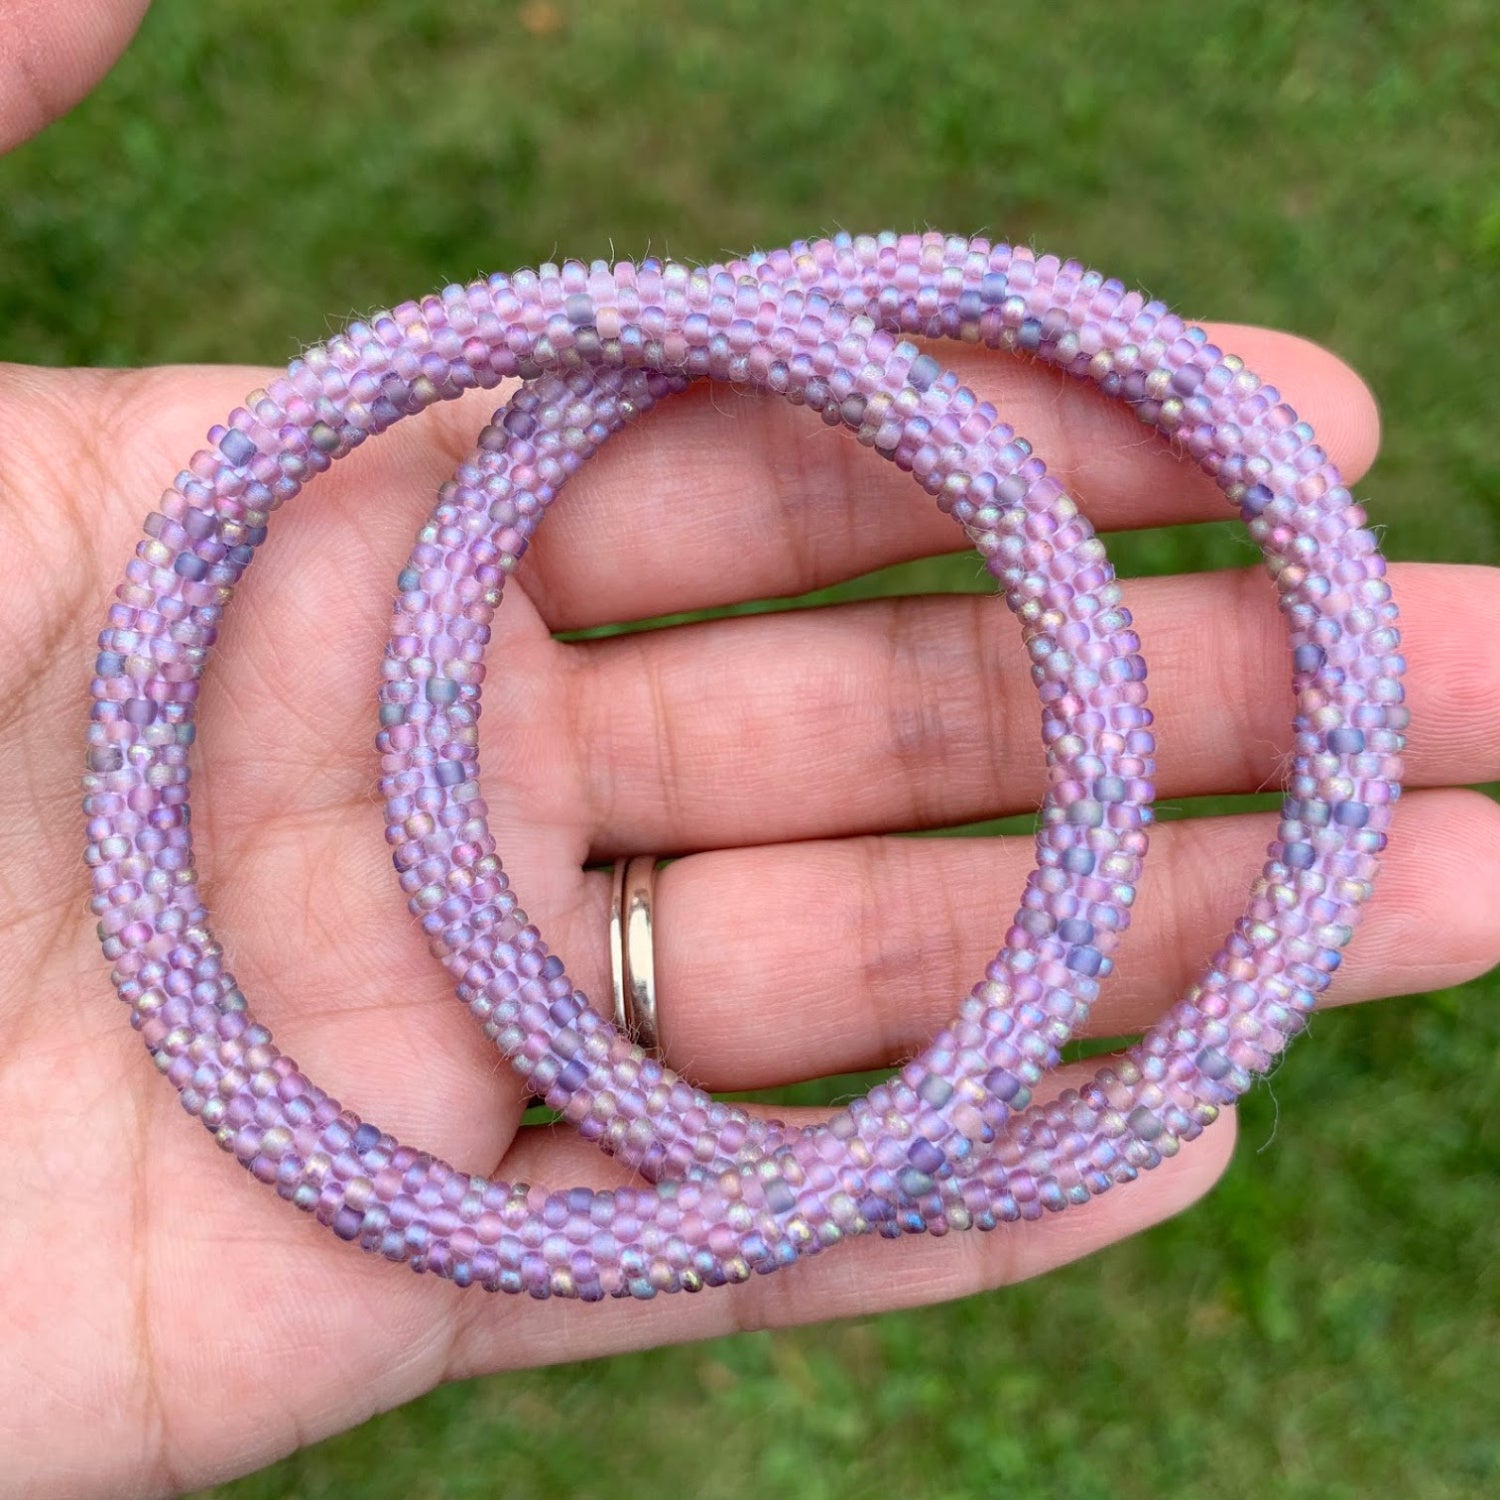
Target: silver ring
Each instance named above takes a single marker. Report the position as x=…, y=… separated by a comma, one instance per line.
x=632, y=960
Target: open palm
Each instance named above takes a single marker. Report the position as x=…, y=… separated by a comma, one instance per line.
x=179, y=1323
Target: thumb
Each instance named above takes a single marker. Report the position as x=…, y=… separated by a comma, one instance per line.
x=52, y=52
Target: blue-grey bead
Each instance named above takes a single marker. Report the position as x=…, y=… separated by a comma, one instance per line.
x=392, y=714
x=365, y=1137
x=1351, y=814
x=1346, y=741
x=140, y=711
x=580, y=309
x=1187, y=380
x=935, y=1090
x=407, y=580
x=780, y=1198
x=1144, y=1124
x=573, y=1076
x=1078, y=860
x=1075, y=930
x=1029, y=335
x=1085, y=961
x=1309, y=658
x=1212, y=1063
x=198, y=523
x=1255, y=499
x=1002, y=1084
x=347, y=1222
x=324, y=438
x=924, y=370
x=441, y=690
x=994, y=287
x=109, y=664
x=190, y=566
x=1086, y=812
x=1299, y=856
x=449, y=772
x=924, y=1156
x=237, y=446
x=1110, y=788
x=915, y=1184
x=1050, y=1194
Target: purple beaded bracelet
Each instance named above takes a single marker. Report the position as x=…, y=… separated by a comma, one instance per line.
x=952, y=1140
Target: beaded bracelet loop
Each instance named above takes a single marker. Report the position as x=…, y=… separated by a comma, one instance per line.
x=952, y=1141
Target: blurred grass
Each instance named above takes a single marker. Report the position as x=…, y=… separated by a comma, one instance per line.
x=252, y=174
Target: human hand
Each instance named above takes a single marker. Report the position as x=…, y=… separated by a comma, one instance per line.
x=166, y=1322
x=202, y=1327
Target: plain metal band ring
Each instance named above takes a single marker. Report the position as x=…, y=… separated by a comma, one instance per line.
x=632, y=958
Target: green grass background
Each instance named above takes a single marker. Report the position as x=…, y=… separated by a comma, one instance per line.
x=1325, y=1325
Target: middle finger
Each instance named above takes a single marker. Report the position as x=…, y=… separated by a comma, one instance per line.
x=901, y=714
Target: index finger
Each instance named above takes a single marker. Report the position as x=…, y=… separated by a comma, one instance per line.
x=723, y=495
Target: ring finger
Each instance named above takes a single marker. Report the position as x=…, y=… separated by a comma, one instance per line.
x=776, y=964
